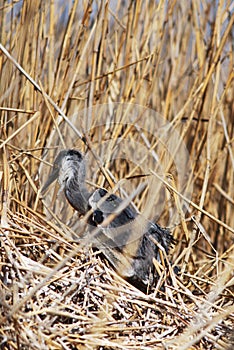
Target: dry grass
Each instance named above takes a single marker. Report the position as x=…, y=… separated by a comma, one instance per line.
x=173, y=57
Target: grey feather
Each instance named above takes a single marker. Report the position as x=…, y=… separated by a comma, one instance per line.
x=129, y=242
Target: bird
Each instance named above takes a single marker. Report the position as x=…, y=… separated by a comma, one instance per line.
x=132, y=244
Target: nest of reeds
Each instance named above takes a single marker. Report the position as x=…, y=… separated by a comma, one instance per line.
x=63, y=68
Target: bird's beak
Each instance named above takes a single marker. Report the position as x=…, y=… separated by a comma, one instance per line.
x=52, y=177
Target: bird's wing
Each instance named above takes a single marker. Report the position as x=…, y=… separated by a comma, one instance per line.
x=121, y=262
x=117, y=231
x=105, y=204
x=130, y=242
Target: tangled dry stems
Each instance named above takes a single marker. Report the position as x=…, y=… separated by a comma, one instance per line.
x=175, y=58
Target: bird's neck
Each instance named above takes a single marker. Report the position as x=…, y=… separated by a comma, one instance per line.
x=77, y=194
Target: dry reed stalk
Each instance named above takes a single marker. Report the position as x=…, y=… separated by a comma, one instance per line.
x=56, y=60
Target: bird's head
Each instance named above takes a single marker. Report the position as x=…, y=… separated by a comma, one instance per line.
x=67, y=165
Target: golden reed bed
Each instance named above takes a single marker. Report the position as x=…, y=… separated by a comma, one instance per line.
x=145, y=89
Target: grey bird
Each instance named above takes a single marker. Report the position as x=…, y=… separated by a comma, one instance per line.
x=134, y=246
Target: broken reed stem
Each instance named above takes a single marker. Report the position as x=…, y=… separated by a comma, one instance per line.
x=171, y=57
